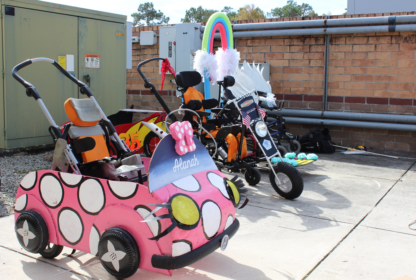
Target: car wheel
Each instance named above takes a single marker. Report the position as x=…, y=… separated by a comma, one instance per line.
x=31, y=231
x=150, y=143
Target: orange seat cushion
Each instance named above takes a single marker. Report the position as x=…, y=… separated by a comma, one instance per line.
x=99, y=152
x=73, y=115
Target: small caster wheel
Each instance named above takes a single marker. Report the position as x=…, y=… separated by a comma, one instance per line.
x=253, y=178
x=32, y=232
x=51, y=251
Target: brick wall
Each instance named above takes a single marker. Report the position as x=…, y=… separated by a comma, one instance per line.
x=370, y=73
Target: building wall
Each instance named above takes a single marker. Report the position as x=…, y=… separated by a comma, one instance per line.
x=379, y=6
x=368, y=73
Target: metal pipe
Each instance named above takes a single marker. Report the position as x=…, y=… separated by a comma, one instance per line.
x=374, y=125
x=322, y=22
x=326, y=72
x=324, y=31
x=349, y=116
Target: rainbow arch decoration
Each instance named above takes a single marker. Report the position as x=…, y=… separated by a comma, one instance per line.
x=213, y=67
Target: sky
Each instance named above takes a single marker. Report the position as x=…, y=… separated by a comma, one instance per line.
x=175, y=9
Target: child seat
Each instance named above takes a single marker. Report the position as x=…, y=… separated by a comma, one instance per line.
x=85, y=117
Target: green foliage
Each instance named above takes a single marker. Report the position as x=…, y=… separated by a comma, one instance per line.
x=249, y=12
x=147, y=13
x=292, y=9
x=229, y=12
x=198, y=15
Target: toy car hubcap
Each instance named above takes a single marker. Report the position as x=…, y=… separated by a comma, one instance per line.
x=285, y=182
x=224, y=242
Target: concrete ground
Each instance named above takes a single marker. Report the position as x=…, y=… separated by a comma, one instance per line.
x=351, y=222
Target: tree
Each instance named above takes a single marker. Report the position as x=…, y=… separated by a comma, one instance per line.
x=292, y=9
x=229, y=12
x=147, y=13
x=198, y=15
x=249, y=12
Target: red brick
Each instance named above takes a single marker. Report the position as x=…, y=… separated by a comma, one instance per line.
x=389, y=79
x=340, y=48
x=386, y=63
x=356, y=71
x=402, y=55
x=241, y=43
x=337, y=40
x=292, y=84
x=316, y=77
x=337, y=55
x=255, y=56
x=317, y=48
x=408, y=47
x=261, y=49
x=273, y=42
x=298, y=41
x=299, y=49
x=406, y=94
x=398, y=132
x=280, y=49
x=359, y=55
x=312, y=98
x=385, y=93
x=315, y=62
x=293, y=55
x=292, y=70
x=402, y=71
x=364, y=48
x=378, y=71
x=280, y=77
x=300, y=90
x=313, y=56
x=315, y=41
x=407, y=63
x=362, y=78
x=335, y=85
x=258, y=42
x=397, y=146
x=378, y=108
x=360, y=136
x=340, y=92
x=340, y=78
x=335, y=99
x=377, y=86
x=357, y=40
x=317, y=91
x=362, y=92
x=355, y=85
x=380, y=40
x=365, y=63
x=379, y=55
x=383, y=138
x=337, y=70
x=299, y=62
x=279, y=62
x=346, y=63
x=355, y=100
x=387, y=48
x=274, y=55
x=403, y=102
x=312, y=84
x=295, y=97
x=406, y=79
x=314, y=70
x=360, y=107
x=372, y=100
x=299, y=77
x=408, y=87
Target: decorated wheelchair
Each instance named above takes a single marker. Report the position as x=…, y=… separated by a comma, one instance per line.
x=132, y=212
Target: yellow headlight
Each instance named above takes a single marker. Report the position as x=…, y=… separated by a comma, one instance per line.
x=185, y=210
x=235, y=194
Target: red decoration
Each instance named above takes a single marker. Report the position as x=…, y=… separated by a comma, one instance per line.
x=165, y=68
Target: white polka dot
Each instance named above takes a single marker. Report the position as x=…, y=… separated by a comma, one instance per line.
x=194, y=146
x=179, y=248
x=21, y=203
x=183, y=142
x=186, y=125
x=177, y=128
x=211, y=218
x=182, y=130
x=190, y=132
x=70, y=179
x=70, y=225
x=186, y=150
x=51, y=191
x=181, y=148
x=123, y=189
x=188, y=183
x=153, y=225
x=28, y=181
x=218, y=182
x=91, y=196
x=228, y=222
x=94, y=240
x=179, y=135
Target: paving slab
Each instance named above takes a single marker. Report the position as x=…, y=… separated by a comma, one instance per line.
x=17, y=266
x=398, y=209
x=334, y=196
x=269, y=245
x=369, y=253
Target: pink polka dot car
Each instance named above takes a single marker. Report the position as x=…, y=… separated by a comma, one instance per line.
x=158, y=214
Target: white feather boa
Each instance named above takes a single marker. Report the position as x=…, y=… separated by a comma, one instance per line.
x=216, y=67
x=206, y=65
x=227, y=62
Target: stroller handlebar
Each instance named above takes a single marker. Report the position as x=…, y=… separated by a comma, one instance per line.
x=31, y=90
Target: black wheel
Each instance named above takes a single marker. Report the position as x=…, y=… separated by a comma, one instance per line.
x=51, y=251
x=294, y=147
x=150, y=143
x=118, y=253
x=254, y=178
x=31, y=231
x=291, y=182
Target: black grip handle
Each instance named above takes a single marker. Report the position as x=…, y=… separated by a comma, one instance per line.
x=153, y=89
x=17, y=77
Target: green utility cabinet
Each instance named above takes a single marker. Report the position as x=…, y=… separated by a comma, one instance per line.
x=91, y=44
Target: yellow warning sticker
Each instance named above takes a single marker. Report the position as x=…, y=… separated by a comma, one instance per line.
x=62, y=61
x=120, y=34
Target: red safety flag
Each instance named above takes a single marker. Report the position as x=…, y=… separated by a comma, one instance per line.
x=164, y=69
